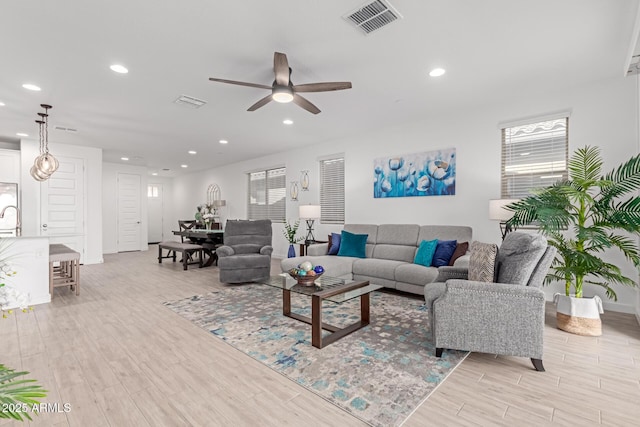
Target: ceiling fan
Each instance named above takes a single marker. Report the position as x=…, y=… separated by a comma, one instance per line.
x=283, y=90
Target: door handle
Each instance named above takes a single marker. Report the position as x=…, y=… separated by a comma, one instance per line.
x=44, y=225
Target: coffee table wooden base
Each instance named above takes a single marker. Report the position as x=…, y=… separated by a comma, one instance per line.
x=317, y=325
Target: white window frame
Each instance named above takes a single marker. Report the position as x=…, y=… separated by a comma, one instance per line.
x=534, y=154
x=267, y=199
x=332, y=196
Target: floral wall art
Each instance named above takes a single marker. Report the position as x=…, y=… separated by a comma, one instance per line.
x=431, y=173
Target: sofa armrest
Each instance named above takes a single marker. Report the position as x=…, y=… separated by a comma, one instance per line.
x=490, y=318
x=224, y=251
x=317, y=249
x=463, y=261
x=266, y=250
x=446, y=273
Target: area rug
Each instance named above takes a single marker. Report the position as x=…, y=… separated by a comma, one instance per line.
x=380, y=373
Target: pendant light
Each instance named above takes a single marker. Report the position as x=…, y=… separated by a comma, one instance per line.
x=45, y=164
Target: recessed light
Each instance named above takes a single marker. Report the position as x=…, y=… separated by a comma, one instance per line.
x=184, y=166
x=2, y=104
x=154, y=173
x=22, y=134
x=119, y=69
x=31, y=86
x=124, y=158
x=437, y=72
x=224, y=141
x=287, y=121
x=192, y=152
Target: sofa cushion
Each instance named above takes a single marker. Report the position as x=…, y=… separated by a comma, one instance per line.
x=415, y=274
x=334, y=242
x=518, y=256
x=482, y=262
x=461, y=250
x=443, y=253
x=244, y=261
x=398, y=234
x=373, y=267
x=353, y=245
x=425, y=252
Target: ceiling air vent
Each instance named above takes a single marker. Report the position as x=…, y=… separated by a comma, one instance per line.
x=65, y=129
x=373, y=16
x=189, y=101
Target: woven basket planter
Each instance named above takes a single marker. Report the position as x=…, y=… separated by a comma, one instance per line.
x=579, y=316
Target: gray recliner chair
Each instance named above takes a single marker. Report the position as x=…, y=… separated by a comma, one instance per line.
x=246, y=253
x=505, y=317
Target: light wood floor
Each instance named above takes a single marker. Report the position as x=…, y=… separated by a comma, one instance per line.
x=120, y=359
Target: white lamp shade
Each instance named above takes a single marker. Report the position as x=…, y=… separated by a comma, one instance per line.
x=497, y=212
x=309, y=212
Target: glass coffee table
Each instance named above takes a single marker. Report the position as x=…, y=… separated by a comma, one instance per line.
x=327, y=288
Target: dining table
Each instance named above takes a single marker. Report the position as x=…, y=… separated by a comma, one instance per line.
x=209, y=239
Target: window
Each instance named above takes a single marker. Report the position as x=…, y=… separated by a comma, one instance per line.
x=332, y=191
x=267, y=194
x=533, y=156
x=152, y=191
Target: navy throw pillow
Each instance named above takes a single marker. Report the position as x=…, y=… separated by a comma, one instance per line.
x=335, y=244
x=354, y=245
x=444, y=252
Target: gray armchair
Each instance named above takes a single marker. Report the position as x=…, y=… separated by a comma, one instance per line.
x=505, y=317
x=246, y=253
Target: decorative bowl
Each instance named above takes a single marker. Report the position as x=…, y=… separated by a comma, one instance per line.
x=305, y=280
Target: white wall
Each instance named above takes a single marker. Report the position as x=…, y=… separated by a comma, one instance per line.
x=30, y=193
x=110, y=202
x=603, y=114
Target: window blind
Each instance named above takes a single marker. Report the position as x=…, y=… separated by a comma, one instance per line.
x=332, y=191
x=267, y=195
x=533, y=156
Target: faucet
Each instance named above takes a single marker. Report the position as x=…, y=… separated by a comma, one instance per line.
x=18, y=224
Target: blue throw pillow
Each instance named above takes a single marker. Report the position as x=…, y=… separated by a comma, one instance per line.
x=335, y=244
x=444, y=252
x=354, y=245
x=425, y=252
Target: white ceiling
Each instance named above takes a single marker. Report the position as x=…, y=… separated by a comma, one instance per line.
x=493, y=51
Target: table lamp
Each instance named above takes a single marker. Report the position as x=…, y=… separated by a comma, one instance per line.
x=309, y=213
x=497, y=212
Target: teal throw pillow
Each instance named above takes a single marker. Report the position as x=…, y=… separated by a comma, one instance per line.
x=354, y=245
x=424, y=256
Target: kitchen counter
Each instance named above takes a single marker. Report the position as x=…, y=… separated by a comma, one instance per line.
x=29, y=258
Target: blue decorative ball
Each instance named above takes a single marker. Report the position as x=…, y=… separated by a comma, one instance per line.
x=319, y=269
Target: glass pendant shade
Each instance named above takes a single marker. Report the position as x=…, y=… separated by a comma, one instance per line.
x=46, y=163
x=37, y=174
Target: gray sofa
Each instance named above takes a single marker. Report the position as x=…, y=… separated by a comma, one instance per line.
x=390, y=250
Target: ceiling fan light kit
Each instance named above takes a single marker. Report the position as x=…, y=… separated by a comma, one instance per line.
x=283, y=90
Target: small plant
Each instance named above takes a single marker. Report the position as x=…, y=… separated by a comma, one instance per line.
x=18, y=395
x=290, y=232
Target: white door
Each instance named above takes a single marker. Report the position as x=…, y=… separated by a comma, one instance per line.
x=129, y=217
x=62, y=205
x=155, y=206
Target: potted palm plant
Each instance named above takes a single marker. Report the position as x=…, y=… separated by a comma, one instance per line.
x=584, y=216
x=290, y=232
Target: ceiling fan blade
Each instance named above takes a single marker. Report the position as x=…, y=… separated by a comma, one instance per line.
x=264, y=101
x=304, y=103
x=281, y=68
x=322, y=87
x=233, y=82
